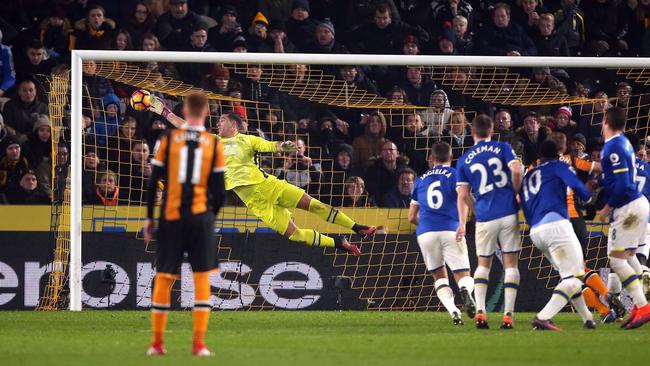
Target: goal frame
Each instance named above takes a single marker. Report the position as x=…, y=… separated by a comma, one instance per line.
x=79, y=56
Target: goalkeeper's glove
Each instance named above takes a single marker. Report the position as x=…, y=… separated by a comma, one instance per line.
x=288, y=146
x=158, y=106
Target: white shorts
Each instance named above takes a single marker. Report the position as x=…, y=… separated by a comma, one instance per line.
x=440, y=248
x=644, y=248
x=560, y=245
x=503, y=231
x=628, y=227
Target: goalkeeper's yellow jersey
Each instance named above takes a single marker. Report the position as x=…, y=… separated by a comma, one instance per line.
x=240, y=153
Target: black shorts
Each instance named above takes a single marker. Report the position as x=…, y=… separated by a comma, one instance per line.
x=191, y=234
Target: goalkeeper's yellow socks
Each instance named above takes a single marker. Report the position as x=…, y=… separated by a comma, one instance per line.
x=312, y=237
x=202, y=307
x=330, y=214
x=593, y=280
x=160, y=304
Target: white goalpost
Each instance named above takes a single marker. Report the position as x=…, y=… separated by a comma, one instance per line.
x=79, y=56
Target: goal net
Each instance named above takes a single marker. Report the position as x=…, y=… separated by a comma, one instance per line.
x=331, y=109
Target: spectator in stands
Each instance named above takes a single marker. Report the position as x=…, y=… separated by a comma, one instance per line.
x=91, y=167
x=527, y=14
x=293, y=106
x=28, y=192
x=591, y=124
x=5, y=132
x=332, y=132
x=192, y=73
x=228, y=28
x=578, y=148
x=239, y=44
x=503, y=38
x=95, y=32
x=97, y=86
x=122, y=41
x=217, y=81
x=140, y=22
x=38, y=151
x=7, y=72
x=446, y=44
x=543, y=76
x=151, y=43
x=607, y=23
x=384, y=36
x=333, y=183
x=370, y=144
x=324, y=39
x=437, y=115
x=411, y=45
x=463, y=36
x=19, y=111
x=457, y=134
x=109, y=119
x=277, y=41
x=106, y=193
x=547, y=41
x=570, y=23
x=158, y=126
x=354, y=77
x=417, y=87
x=445, y=11
x=563, y=122
x=503, y=126
x=355, y=193
x=301, y=28
x=413, y=141
x=532, y=134
x=34, y=62
x=258, y=32
x=400, y=196
x=381, y=175
x=55, y=33
x=133, y=176
x=276, y=10
x=118, y=145
x=13, y=165
x=301, y=170
x=175, y=26
x=636, y=105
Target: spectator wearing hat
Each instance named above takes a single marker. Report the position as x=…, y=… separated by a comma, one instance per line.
x=383, y=35
x=35, y=61
x=38, y=151
x=258, y=32
x=301, y=28
x=444, y=12
x=7, y=72
x=19, y=110
x=369, y=144
x=531, y=135
x=502, y=37
x=400, y=196
x=578, y=147
x=95, y=32
x=239, y=44
x=217, y=81
x=563, y=122
x=324, y=40
x=227, y=29
x=192, y=73
x=333, y=182
x=543, y=76
x=277, y=41
x=411, y=45
x=55, y=32
x=107, y=122
x=464, y=37
x=276, y=10
x=446, y=42
x=13, y=165
x=547, y=41
x=437, y=116
x=27, y=192
x=174, y=27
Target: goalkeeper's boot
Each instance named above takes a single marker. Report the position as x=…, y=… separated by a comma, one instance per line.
x=506, y=322
x=539, y=324
x=456, y=319
x=481, y=320
x=201, y=350
x=156, y=349
x=630, y=317
x=589, y=324
x=609, y=318
x=614, y=302
x=468, y=303
x=342, y=243
x=641, y=317
x=364, y=231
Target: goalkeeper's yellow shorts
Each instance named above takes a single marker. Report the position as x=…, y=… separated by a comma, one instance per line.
x=270, y=200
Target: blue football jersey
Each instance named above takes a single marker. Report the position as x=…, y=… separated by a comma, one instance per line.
x=544, y=190
x=619, y=171
x=485, y=169
x=435, y=194
x=643, y=178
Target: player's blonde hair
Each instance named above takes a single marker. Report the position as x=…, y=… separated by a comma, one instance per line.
x=196, y=104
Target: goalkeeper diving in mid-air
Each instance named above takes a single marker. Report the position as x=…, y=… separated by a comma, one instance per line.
x=266, y=196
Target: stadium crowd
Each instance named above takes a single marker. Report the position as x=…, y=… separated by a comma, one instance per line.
x=346, y=156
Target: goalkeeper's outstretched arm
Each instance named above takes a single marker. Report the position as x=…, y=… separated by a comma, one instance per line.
x=158, y=106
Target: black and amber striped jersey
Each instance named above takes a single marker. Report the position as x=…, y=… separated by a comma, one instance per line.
x=188, y=157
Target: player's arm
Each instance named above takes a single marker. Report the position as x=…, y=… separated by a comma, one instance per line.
x=587, y=166
x=158, y=106
x=463, y=209
x=414, y=212
x=570, y=179
x=620, y=170
x=515, y=166
x=217, y=182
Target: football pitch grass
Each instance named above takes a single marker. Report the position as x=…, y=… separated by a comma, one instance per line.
x=311, y=338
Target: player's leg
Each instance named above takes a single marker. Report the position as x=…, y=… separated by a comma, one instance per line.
x=431, y=247
x=332, y=215
x=510, y=240
x=642, y=254
x=169, y=255
x=202, y=255
x=315, y=239
x=486, y=243
x=455, y=256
